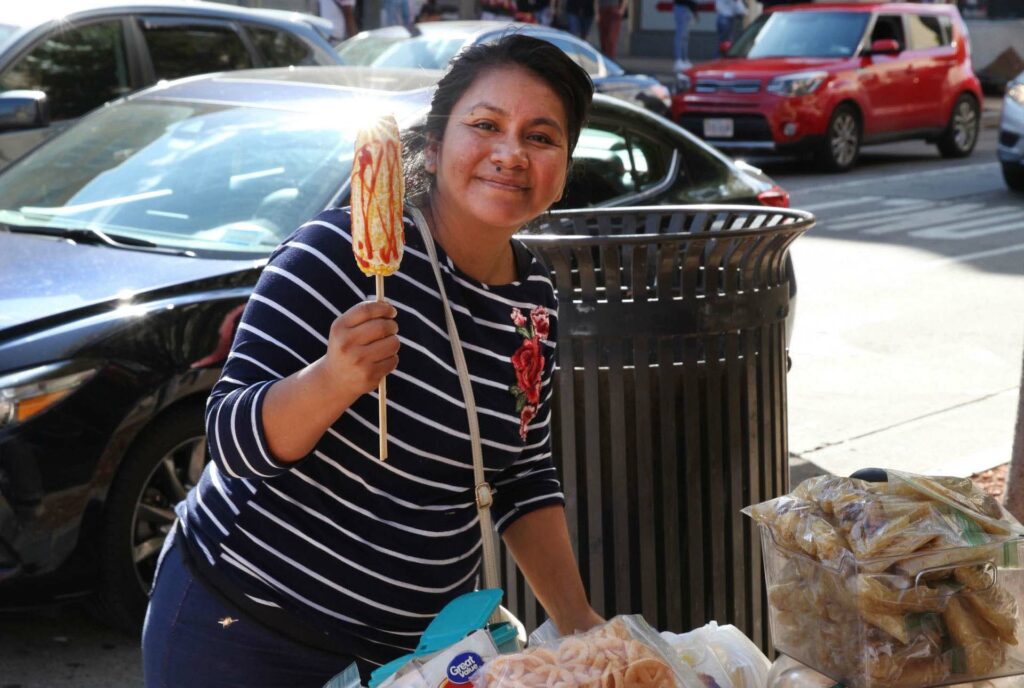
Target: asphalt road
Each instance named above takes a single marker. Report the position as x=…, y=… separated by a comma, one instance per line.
x=906, y=353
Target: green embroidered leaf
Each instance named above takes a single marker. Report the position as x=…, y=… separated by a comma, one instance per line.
x=524, y=333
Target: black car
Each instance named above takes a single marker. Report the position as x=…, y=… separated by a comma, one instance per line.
x=58, y=60
x=430, y=45
x=128, y=246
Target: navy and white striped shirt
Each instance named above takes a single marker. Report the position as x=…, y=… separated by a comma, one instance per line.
x=347, y=544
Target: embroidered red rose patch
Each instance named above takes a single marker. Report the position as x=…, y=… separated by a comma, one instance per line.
x=528, y=361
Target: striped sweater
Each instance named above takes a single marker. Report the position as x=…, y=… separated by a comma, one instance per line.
x=365, y=550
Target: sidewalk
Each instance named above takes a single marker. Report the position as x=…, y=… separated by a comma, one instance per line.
x=661, y=69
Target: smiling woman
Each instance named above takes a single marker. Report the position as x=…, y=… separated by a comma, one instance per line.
x=320, y=553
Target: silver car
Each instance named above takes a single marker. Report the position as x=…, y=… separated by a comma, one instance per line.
x=1011, y=134
x=430, y=45
x=58, y=60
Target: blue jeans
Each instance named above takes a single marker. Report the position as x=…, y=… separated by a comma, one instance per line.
x=397, y=13
x=725, y=25
x=681, y=47
x=186, y=642
x=579, y=25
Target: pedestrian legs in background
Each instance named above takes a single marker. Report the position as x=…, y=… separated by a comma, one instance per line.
x=609, y=22
x=341, y=14
x=396, y=13
x=348, y=11
x=683, y=16
x=579, y=24
x=725, y=23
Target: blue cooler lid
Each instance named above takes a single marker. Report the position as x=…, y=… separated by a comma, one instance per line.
x=460, y=617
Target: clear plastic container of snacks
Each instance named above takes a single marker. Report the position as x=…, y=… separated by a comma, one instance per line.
x=911, y=583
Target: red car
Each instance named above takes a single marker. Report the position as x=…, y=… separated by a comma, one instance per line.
x=827, y=78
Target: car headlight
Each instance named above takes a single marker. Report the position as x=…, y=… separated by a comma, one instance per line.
x=662, y=94
x=798, y=84
x=682, y=83
x=27, y=393
x=1016, y=93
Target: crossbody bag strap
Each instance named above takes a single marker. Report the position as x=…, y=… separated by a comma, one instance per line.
x=482, y=490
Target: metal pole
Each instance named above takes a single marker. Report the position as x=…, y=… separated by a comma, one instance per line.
x=1014, y=497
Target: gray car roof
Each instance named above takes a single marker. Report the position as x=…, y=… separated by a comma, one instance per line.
x=30, y=14
x=303, y=89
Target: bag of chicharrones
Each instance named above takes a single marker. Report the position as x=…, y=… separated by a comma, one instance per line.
x=624, y=652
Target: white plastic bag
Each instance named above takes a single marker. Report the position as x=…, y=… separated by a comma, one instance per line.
x=723, y=654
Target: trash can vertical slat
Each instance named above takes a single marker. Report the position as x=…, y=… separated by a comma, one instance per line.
x=715, y=423
x=694, y=472
x=646, y=481
x=668, y=469
x=753, y=478
x=737, y=568
x=584, y=261
x=622, y=503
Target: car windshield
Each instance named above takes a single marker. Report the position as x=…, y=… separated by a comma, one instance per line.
x=200, y=177
x=423, y=52
x=802, y=34
x=6, y=31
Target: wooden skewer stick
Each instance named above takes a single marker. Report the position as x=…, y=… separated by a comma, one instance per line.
x=382, y=392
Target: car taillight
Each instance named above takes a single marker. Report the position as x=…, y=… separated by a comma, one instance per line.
x=775, y=196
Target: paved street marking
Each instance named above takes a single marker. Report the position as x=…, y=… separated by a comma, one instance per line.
x=966, y=230
x=941, y=262
x=901, y=176
x=818, y=207
x=946, y=214
x=892, y=208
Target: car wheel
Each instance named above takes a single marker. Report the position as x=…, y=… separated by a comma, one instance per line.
x=1014, y=176
x=139, y=512
x=841, y=146
x=961, y=133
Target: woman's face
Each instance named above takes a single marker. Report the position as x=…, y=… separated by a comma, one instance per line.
x=504, y=155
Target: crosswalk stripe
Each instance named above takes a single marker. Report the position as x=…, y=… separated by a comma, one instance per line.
x=818, y=207
x=940, y=262
x=985, y=226
x=857, y=220
x=900, y=176
x=938, y=216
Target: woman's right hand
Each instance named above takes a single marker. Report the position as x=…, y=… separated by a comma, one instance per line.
x=362, y=347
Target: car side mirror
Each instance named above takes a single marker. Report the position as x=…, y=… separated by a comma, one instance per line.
x=885, y=46
x=23, y=110
x=724, y=46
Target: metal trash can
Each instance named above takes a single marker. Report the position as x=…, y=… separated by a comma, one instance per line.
x=669, y=405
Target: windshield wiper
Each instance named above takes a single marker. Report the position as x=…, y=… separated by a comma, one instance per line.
x=87, y=235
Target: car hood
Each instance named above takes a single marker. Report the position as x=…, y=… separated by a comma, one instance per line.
x=762, y=68
x=42, y=277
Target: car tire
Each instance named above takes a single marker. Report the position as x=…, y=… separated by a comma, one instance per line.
x=1013, y=173
x=961, y=134
x=160, y=468
x=841, y=147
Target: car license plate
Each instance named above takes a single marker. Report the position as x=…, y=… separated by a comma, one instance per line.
x=718, y=128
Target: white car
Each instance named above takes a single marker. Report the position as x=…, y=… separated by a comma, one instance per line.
x=430, y=45
x=1011, y=134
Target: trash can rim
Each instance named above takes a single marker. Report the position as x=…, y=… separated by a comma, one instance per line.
x=793, y=219
x=692, y=208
